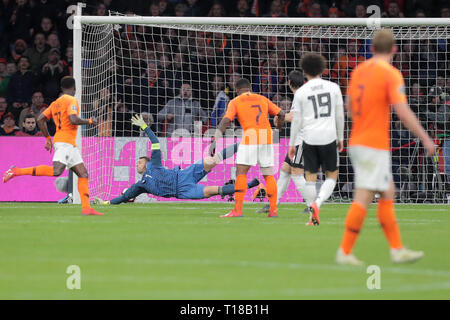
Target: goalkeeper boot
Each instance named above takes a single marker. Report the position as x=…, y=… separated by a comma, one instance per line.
x=405, y=255
x=98, y=200
x=90, y=212
x=232, y=214
x=9, y=174
x=350, y=259
x=253, y=183
x=264, y=209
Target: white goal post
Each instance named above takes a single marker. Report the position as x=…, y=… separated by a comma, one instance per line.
x=150, y=65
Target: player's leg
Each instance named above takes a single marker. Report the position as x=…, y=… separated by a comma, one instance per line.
x=83, y=189
x=246, y=157
x=353, y=224
x=210, y=162
x=329, y=161
x=282, y=184
x=266, y=163
x=227, y=189
x=388, y=222
x=298, y=172
x=59, y=165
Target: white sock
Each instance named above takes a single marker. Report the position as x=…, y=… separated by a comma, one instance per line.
x=282, y=184
x=310, y=193
x=325, y=191
x=300, y=183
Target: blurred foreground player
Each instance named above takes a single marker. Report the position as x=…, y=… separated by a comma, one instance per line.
x=64, y=111
x=167, y=183
x=375, y=85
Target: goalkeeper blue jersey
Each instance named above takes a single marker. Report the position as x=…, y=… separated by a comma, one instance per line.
x=160, y=181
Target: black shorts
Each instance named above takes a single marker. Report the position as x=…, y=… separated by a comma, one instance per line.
x=298, y=158
x=325, y=156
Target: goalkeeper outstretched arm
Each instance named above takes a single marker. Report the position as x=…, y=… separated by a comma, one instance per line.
x=155, y=159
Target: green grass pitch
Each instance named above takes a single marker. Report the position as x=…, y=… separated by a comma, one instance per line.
x=185, y=251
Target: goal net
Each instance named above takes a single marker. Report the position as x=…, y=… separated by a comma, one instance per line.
x=180, y=75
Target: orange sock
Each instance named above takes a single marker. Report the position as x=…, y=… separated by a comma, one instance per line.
x=271, y=186
x=353, y=223
x=83, y=189
x=36, y=171
x=239, y=194
x=386, y=216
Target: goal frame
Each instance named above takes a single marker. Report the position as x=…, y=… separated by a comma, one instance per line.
x=79, y=20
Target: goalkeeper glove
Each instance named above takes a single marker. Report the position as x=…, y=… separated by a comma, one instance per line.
x=137, y=120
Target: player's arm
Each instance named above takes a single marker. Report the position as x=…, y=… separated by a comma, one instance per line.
x=281, y=118
x=131, y=193
x=155, y=159
x=42, y=123
x=296, y=125
x=340, y=119
x=410, y=121
x=229, y=116
x=77, y=121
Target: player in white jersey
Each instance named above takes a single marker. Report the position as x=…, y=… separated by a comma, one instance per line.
x=290, y=168
x=319, y=114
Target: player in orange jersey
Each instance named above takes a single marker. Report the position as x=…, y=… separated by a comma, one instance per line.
x=375, y=86
x=64, y=111
x=252, y=111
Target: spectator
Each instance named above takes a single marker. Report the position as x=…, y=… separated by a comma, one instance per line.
x=35, y=108
x=180, y=113
x=8, y=128
x=315, y=10
x=46, y=26
x=242, y=9
x=29, y=128
x=68, y=60
x=100, y=10
x=53, y=41
x=393, y=10
x=266, y=81
x=165, y=8
x=51, y=75
x=360, y=11
x=5, y=76
x=194, y=9
x=22, y=83
x=447, y=87
x=20, y=46
x=346, y=63
x=43, y=8
x=37, y=54
x=276, y=10
x=181, y=9
x=231, y=81
x=445, y=12
x=401, y=154
x=20, y=21
x=221, y=100
x=420, y=13
x=3, y=107
x=217, y=10
x=154, y=9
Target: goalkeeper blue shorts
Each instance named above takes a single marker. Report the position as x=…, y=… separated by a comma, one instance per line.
x=188, y=187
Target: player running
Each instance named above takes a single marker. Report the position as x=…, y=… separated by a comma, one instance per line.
x=252, y=111
x=319, y=114
x=64, y=111
x=374, y=86
x=181, y=184
x=290, y=168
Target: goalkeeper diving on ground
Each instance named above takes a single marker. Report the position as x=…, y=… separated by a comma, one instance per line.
x=181, y=184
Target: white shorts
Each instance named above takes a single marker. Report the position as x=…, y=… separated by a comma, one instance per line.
x=67, y=154
x=372, y=168
x=252, y=154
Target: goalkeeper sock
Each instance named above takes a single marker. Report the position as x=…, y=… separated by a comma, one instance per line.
x=229, y=188
x=325, y=191
x=271, y=186
x=386, y=216
x=282, y=184
x=227, y=152
x=83, y=189
x=35, y=171
x=353, y=223
x=240, y=189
